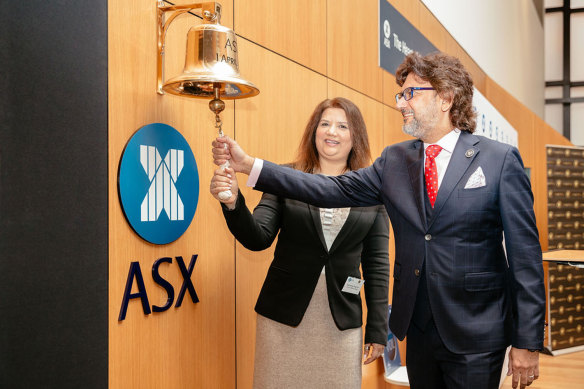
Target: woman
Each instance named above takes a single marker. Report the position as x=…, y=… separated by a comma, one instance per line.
x=308, y=330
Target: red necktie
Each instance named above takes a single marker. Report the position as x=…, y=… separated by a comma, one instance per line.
x=431, y=173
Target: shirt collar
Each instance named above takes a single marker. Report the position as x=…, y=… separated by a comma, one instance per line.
x=447, y=142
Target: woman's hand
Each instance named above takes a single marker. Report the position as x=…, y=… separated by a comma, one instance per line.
x=224, y=179
x=372, y=351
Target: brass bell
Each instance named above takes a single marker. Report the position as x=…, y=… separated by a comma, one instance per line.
x=211, y=59
x=211, y=62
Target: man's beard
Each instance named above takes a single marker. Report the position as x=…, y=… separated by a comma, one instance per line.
x=420, y=128
x=413, y=128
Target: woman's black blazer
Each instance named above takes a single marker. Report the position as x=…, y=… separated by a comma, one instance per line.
x=301, y=253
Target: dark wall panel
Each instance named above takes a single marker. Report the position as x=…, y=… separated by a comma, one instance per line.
x=53, y=194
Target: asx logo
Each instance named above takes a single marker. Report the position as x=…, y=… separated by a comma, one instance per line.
x=162, y=193
x=158, y=183
x=135, y=277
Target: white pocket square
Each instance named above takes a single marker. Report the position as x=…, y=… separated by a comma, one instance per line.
x=476, y=180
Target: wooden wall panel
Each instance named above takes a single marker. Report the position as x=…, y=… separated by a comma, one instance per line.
x=194, y=345
x=390, y=88
x=269, y=126
x=526, y=136
x=409, y=10
x=294, y=29
x=352, y=45
x=520, y=117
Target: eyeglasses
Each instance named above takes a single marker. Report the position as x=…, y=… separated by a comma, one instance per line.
x=408, y=93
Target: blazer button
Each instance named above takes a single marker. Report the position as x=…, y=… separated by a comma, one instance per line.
x=428, y=237
x=417, y=272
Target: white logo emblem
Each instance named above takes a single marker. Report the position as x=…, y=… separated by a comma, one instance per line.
x=162, y=193
x=387, y=33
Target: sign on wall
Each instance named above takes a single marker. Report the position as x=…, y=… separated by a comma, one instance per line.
x=398, y=38
x=490, y=123
x=158, y=183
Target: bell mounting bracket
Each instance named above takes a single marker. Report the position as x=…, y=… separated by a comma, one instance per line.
x=210, y=12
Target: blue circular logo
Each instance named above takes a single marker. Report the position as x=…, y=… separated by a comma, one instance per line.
x=158, y=183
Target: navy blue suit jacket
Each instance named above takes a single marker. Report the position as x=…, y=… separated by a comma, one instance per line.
x=482, y=298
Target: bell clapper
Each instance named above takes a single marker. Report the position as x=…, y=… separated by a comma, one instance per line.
x=217, y=106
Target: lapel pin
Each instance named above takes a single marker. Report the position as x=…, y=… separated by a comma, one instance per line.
x=469, y=153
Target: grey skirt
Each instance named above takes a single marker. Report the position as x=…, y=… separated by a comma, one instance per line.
x=315, y=354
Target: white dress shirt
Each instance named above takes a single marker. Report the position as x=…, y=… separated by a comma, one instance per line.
x=254, y=174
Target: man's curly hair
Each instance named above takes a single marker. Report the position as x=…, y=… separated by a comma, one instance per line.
x=450, y=79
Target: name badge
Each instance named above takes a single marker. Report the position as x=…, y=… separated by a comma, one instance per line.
x=353, y=285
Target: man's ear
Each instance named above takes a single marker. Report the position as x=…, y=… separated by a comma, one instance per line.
x=446, y=101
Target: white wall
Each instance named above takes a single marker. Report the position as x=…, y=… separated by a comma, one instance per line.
x=505, y=38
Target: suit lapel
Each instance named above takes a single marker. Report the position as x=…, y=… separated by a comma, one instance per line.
x=415, y=164
x=345, y=231
x=315, y=213
x=464, y=153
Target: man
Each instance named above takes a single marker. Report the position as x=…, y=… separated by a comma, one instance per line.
x=450, y=195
